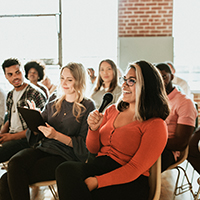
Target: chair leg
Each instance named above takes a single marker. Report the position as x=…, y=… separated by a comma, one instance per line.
x=186, y=166
x=176, y=188
x=184, y=187
x=53, y=191
x=198, y=192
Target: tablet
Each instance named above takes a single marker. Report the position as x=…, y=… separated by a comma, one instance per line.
x=33, y=118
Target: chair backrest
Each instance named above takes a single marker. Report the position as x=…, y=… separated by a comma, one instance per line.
x=183, y=156
x=155, y=180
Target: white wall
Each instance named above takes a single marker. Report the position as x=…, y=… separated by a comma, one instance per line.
x=152, y=49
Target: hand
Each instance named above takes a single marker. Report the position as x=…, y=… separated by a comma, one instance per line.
x=32, y=105
x=91, y=183
x=94, y=120
x=5, y=137
x=48, y=131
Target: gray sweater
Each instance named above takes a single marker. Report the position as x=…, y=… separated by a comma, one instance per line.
x=97, y=96
x=65, y=123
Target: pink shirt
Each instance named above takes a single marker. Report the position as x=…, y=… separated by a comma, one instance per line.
x=182, y=111
x=136, y=146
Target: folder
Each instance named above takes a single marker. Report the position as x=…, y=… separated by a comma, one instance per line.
x=33, y=118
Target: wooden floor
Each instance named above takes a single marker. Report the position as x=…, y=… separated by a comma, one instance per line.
x=168, y=182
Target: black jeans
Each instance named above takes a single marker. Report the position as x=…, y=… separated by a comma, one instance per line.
x=10, y=148
x=27, y=167
x=70, y=178
x=167, y=159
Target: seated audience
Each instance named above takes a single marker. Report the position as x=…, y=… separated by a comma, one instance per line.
x=2, y=106
x=120, y=72
x=107, y=81
x=91, y=74
x=180, y=83
x=128, y=139
x=91, y=81
x=50, y=86
x=63, y=139
x=34, y=72
x=13, y=132
x=181, y=120
x=194, y=150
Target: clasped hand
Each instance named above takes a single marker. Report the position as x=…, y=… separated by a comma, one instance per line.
x=94, y=120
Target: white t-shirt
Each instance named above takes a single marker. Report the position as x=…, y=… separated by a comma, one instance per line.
x=15, y=123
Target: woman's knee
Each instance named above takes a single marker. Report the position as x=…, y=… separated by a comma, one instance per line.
x=18, y=159
x=64, y=168
x=68, y=169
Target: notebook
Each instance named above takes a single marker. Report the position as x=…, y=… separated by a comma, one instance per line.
x=33, y=118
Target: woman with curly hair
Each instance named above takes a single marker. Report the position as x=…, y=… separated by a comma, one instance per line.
x=34, y=72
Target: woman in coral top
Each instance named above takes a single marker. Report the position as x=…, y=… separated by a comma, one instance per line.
x=128, y=139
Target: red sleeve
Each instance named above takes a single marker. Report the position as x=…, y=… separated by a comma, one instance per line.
x=152, y=144
x=93, y=140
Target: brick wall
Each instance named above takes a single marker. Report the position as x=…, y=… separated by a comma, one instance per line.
x=145, y=18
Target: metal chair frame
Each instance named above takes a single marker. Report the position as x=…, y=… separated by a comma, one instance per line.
x=180, y=189
x=198, y=192
x=51, y=186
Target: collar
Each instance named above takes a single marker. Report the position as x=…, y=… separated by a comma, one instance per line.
x=173, y=93
x=102, y=88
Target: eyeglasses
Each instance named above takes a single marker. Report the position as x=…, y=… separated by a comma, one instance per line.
x=130, y=82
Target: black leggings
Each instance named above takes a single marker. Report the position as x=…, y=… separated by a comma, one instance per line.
x=27, y=167
x=70, y=178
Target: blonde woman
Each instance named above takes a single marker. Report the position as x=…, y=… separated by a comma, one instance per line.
x=107, y=81
x=63, y=139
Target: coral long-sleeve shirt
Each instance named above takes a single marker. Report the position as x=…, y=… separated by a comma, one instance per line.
x=136, y=146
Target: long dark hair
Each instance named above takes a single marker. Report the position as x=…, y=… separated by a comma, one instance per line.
x=151, y=98
x=114, y=81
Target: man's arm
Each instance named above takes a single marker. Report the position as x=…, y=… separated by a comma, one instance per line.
x=181, y=138
x=5, y=137
x=5, y=128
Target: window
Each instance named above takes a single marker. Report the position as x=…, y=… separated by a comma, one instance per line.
x=187, y=42
x=89, y=33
